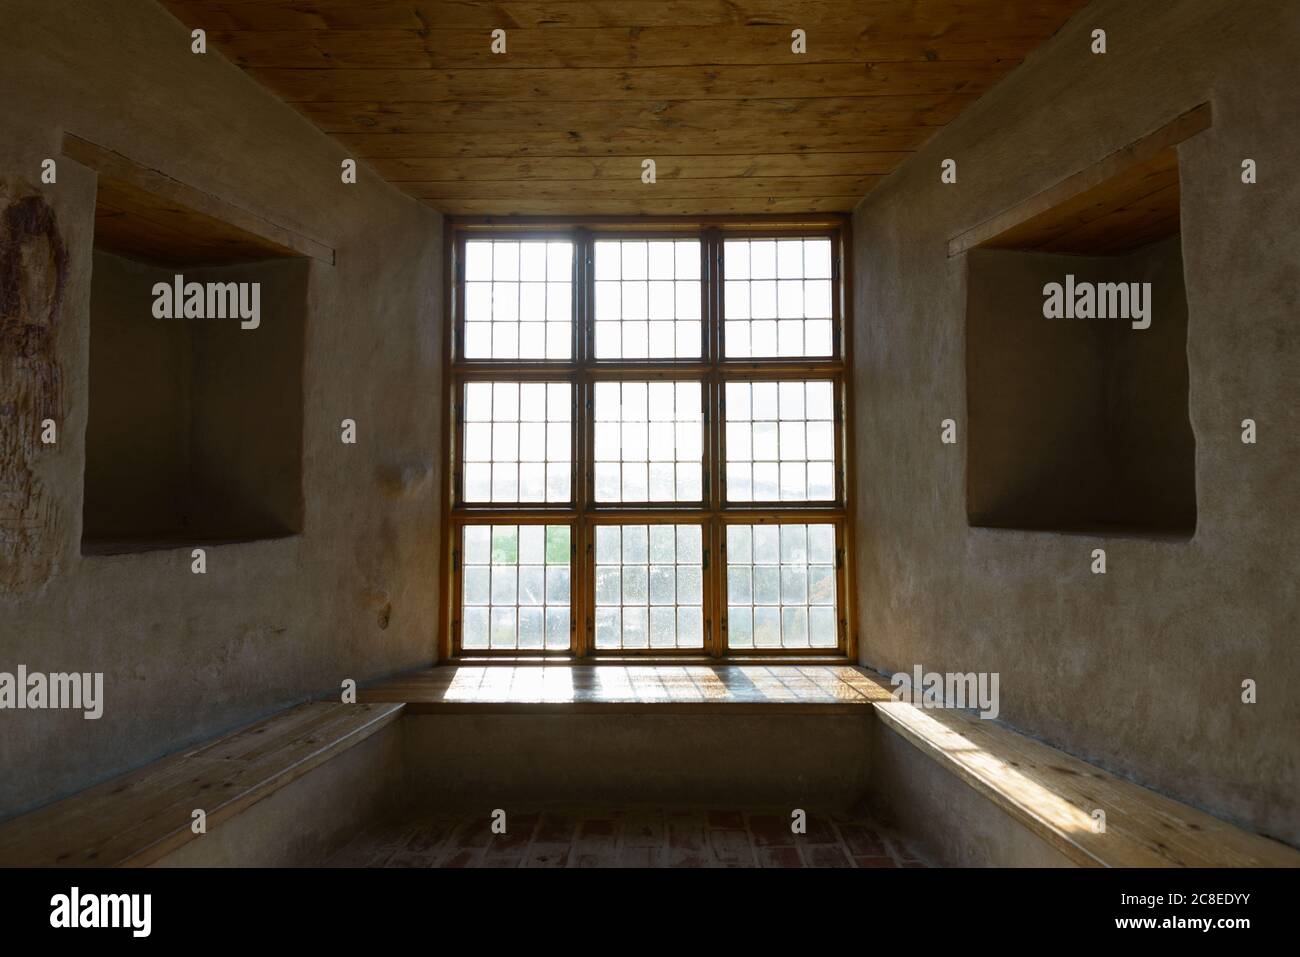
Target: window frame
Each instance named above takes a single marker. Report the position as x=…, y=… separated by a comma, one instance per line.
x=582, y=370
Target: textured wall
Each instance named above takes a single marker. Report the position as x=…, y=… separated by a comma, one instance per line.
x=1140, y=669
x=272, y=622
x=137, y=447
x=33, y=279
x=809, y=760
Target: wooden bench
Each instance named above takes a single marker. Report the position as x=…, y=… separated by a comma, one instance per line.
x=1055, y=795
x=140, y=817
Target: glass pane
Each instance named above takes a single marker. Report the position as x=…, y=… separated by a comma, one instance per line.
x=777, y=298
x=649, y=442
x=649, y=586
x=518, y=299
x=780, y=441
x=517, y=442
x=647, y=299
x=781, y=586
x=515, y=587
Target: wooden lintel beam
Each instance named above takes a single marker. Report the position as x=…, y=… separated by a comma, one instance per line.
x=115, y=166
x=1169, y=135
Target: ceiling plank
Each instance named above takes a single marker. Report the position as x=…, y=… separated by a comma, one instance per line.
x=1042, y=16
x=732, y=141
x=666, y=117
x=584, y=169
x=611, y=48
x=716, y=205
x=656, y=83
x=516, y=190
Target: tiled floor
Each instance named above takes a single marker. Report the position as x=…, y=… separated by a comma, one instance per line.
x=639, y=837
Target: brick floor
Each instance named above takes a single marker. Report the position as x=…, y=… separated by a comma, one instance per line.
x=634, y=837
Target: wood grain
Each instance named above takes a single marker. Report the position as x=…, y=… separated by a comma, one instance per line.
x=880, y=16
x=140, y=817
x=723, y=689
x=734, y=206
x=666, y=117
x=742, y=142
x=704, y=82
x=668, y=189
x=413, y=80
x=144, y=213
x=139, y=225
x=1052, y=793
x=611, y=48
x=1055, y=794
x=575, y=169
x=1125, y=200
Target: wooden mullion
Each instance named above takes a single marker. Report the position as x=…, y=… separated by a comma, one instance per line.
x=457, y=593
x=583, y=297
x=577, y=586
x=841, y=440
x=649, y=371
x=711, y=277
x=523, y=370
x=581, y=591
x=843, y=299
x=838, y=252
x=511, y=515
x=748, y=370
x=764, y=513
x=448, y=595
x=589, y=419
x=716, y=590
x=785, y=655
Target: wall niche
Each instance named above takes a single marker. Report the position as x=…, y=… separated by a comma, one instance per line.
x=1081, y=425
x=194, y=434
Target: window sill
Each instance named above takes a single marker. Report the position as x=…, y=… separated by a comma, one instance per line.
x=641, y=686
x=831, y=657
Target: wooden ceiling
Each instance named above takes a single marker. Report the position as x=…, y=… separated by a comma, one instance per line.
x=560, y=123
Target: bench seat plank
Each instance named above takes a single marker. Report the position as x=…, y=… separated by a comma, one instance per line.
x=1055, y=794
x=140, y=817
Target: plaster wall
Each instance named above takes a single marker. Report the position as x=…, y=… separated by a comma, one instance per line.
x=138, y=453
x=1139, y=670
x=804, y=760
x=273, y=622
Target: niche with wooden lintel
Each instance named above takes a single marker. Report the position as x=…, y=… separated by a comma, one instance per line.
x=1082, y=424
x=194, y=434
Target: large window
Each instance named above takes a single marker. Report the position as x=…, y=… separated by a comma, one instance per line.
x=647, y=442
